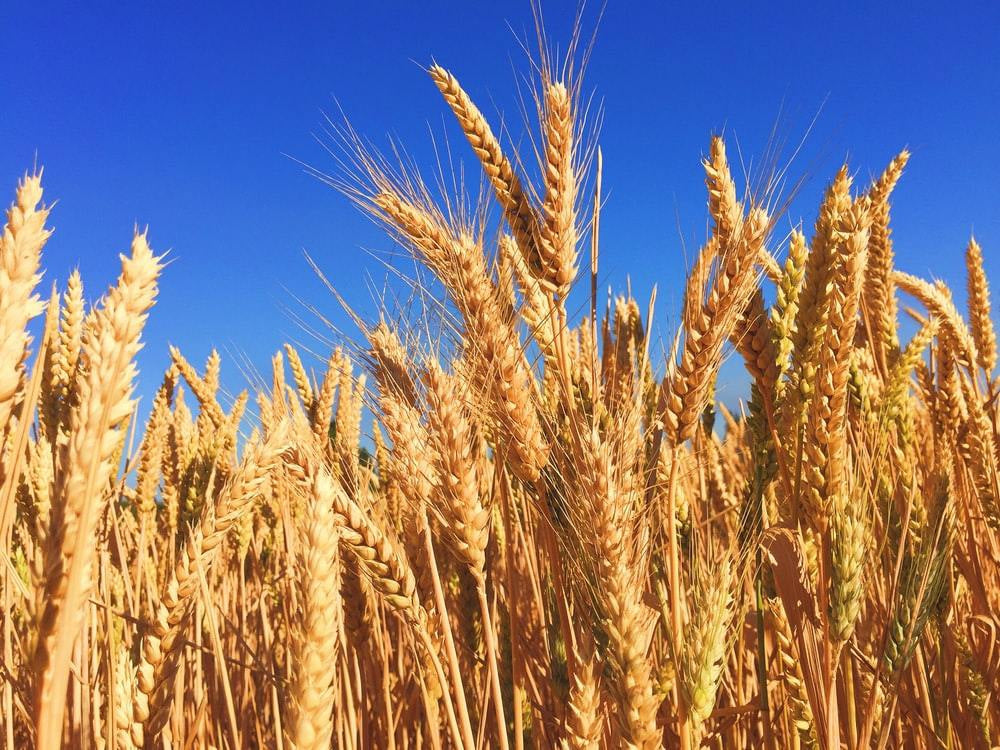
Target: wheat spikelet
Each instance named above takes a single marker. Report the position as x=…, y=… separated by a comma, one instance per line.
x=708, y=325
x=24, y=235
x=535, y=309
x=825, y=443
x=302, y=384
x=754, y=338
x=703, y=657
x=40, y=473
x=610, y=503
x=977, y=694
x=58, y=394
x=791, y=675
x=202, y=388
x=499, y=368
x=849, y=544
x=322, y=405
x=976, y=443
x=314, y=644
x=813, y=302
x=786, y=305
x=380, y=559
x=517, y=208
x=80, y=489
x=895, y=403
x=940, y=305
x=128, y=735
x=151, y=451
x=347, y=439
x=879, y=299
x=451, y=435
x=723, y=206
x=979, y=308
x=584, y=722
x=557, y=246
x=922, y=581
x=390, y=363
x=410, y=463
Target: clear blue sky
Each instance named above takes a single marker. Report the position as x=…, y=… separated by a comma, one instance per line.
x=182, y=118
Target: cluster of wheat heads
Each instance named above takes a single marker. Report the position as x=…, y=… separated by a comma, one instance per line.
x=556, y=542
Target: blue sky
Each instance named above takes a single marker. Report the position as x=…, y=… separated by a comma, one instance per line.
x=184, y=118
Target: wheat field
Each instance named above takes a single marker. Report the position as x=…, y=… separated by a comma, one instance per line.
x=513, y=521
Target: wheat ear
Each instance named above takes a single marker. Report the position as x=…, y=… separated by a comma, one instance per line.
x=980, y=320
x=558, y=230
x=515, y=204
x=879, y=298
x=316, y=633
x=59, y=395
x=81, y=488
x=20, y=256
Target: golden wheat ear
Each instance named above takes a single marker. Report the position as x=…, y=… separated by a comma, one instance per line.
x=314, y=656
x=24, y=236
x=980, y=318
x=81, y=488
x=518, y=211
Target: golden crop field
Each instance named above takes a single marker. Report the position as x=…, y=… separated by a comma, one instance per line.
x=560, y=538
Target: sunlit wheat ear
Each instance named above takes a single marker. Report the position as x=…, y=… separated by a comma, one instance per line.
x=980, y=319
x=719, y=288
x=783, y=313
x=200, y=387
x=605, y=529
x=584, y=718
x=390, y=363
x=518, y=212
x=813, y=304
x=850, y=544
x=379, y=558
x=350, y=393
x=559, y=231
x=976, y=440
x=755, y=339
x=154, y=443
x=300, y=376
x=317, y=628
x=321, y=412
x=81, y=488
x=879, y=299
x=791, y=675
x=723, y=205
x=456, y=452
x=128, y=734
x=939, y=303
x=977, y=693
x=498, y=366
x=24, y=235
x=59, y=394
x=826, y=428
